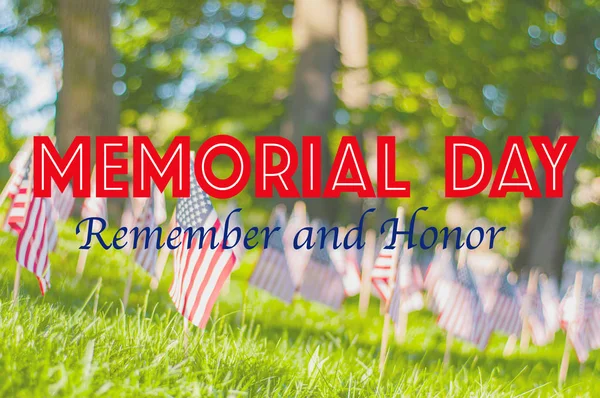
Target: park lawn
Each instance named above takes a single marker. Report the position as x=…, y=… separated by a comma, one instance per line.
x=254, y=345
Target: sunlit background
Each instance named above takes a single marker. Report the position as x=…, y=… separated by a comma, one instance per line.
x=415, y=69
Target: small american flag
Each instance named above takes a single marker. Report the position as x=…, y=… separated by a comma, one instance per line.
x=18, y=193
x=550, y=301
x=33, y=220
x=593, y=326
x=574, y=315
x=463, y=315
x=16, y=178
x=407, y=296
x=20, y=196
x=346, y=263
x=488, y=286
x=146, y=254
x=439, y=279
x=540, y=335
x=505, y=315
x=94, y=206
x=63, y=202
x=199, y=272
x=271, y=272
x=322, y=282
x=297, y=259
x=383, y=268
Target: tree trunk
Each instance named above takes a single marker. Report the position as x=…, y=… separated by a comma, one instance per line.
x=315, y=28
x=354, y=48
x=545, y=228
x=86, y=102
x=355, y=92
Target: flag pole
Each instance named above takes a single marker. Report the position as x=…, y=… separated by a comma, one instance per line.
x=83, y=254
x=511, y=342
x=596, y=284
x=564, y=364
x=17, y=284
x=448, y=350
x=163, y=256
x=367, y=265
x=402, y=325
x=531, y=291
x=385, y=334
x=97, y=296
x=82, y=259
x=462, y=262
x=510, y=345
x=186, y=334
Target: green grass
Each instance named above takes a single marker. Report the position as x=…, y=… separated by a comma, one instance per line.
x=253, y=346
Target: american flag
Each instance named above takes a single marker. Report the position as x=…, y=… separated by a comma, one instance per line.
x=593, y=325
x=505, y=315
x=322, y=282
x=32, y=218
x=199, y=272
x=63, y=202
x=383, y=267
x=550, y=301
x=297, y=259
x=94, y=206
x=18, y=193
x=16, y=213
x=488, y=285
x=146, y=254
x=20, y=196
x=574, y=315
x=439, y=279
x=272, y=272
x=463, y=315
x=407, y=296
x=536, y=321
x=346, y=263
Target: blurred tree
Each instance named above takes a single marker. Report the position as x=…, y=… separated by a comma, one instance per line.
x=354, y=49
x=546, y=221
x=86, y=102
x=315, y=29
x=492, y=69
x=355, y=90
